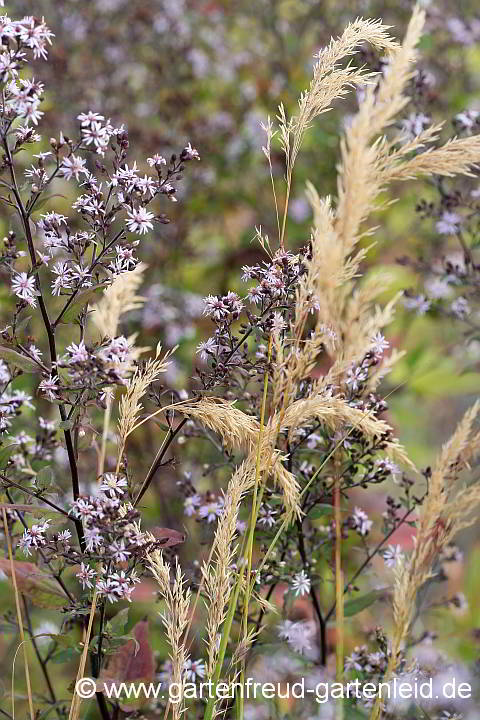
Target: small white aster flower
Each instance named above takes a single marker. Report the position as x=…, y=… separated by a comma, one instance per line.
x=72, y=166
x=191, y=152
x=85, y=576
x=301, y=583
x=211, y=511
x=467, y=120
x=64, y=536
x=266, y=516
x=118, y=551
x=156, y=160
x=24, y=287
x=379, y=344
x=415, y=124
x=111, y=482
x=207, y=348
x=49, y=386
x=297, y=634
x=362, y=523
x=194, y=669
x=93, y=538
x=78, y=353
x=460, y=307
x=191, y=504
x=278, y=323
x=449, y=223
x=140, y=220
x=392, y=555
x=418, y=303
x=87, y=118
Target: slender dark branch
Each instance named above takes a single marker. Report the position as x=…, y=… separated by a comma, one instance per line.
x=11, y=483
x=303, y=554
x=370, y=557
x=47, y=562
x=92, y=267
x=50, y=334
x=248, y=332
x=158, y=462
x=100, y=639
x=41, y=661
x=316, y=605
x=101, y=702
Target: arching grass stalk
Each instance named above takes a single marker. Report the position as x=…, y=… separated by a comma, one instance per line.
x=339, y=625
x=19, y=620
x=253, y=521
x=289, y=516
x=106, y=427
x=247, y=557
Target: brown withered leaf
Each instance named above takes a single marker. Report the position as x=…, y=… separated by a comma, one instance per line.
x=168, y=537
x=132, y=663
x=42, y=590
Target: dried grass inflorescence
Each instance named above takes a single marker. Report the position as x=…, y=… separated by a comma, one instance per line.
x=118, y=298
x=175, y=617
x=345, y=317
x=345, y=313
x=449, y=506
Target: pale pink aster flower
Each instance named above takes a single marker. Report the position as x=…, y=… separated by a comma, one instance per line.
x=194, y=669
x=392, y=555
x=88, y=118
x=156, y=160
x=191, y=152
x=49, y=387
x=72, y=167
x=379, y=344
x=191, y=503
x=24, y=287
x=85, y=576
x=78, y=353
x=140, y=220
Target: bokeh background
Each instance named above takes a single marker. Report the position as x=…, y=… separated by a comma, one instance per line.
x=209, y=71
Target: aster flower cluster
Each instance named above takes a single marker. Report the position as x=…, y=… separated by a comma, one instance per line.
x=226, y=352
x=448, y=275
x=64, y=261
x=12, y=404
x=299, y=635
x=112, y=537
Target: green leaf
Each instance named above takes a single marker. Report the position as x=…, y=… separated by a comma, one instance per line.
x=80, y=301
x=42, y=590
x=356, y=605
x=22, y=324
x=320, y=510
x=66, y=641
x=44, y=478
x=12, y=357
x=64, y=656
x=117, y=624
x=66, y=424
x=6, y=452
